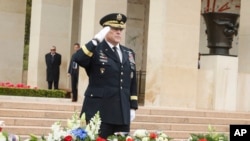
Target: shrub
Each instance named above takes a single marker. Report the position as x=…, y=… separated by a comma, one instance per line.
x=32, y=92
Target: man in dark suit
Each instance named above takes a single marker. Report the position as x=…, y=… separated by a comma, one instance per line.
x=53, y=62
x=73, y=71
x=112, y=77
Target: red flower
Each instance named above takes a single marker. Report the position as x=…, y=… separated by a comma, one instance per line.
x=129, y=138
x=2, y=84
x=100, y=139
x=68, y=138
x=153, y=135
x=203, y=139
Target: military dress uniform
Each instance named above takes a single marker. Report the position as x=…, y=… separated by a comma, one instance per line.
x=73, y=70
x=112, y=84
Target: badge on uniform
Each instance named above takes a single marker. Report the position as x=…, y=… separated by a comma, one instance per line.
x=102, y=70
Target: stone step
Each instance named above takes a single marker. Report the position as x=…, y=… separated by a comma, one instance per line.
x=36, y=104
x=191, y=113
x=46, y=119
x=69, y=106
x=9, y=121
x=190, y=120
x=36, y=113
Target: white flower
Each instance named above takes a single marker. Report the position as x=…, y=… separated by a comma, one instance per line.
x=162, y=136
x=74, y=122
x=57, y=132
x=190, y=138
x=2, y=137
x=1, y=123
x=140, y=133
x=93, y=127
x=115, y=139
x=145, y=139
x=56, y=126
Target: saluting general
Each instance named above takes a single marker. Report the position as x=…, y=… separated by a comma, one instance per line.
x=111, y=70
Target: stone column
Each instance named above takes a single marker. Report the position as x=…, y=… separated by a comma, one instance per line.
x=12, y=27
x=50, y=25
x=172, y=54
x=92, y=12
x=75, y=32
x=218, y=83
x=243, y=95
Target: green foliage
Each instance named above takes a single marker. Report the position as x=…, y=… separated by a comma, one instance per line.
x=27, y=34
x=25, y=57
x=27, y=21
x=35, y=138
x=33, y=92
x=210, y=136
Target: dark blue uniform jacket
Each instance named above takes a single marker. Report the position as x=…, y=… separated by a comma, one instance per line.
x=112, y=84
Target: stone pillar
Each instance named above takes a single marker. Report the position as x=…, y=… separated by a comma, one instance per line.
x=12, y=27
x=75, y=32
x=243, y=96
x=217, y=83
x=218, y=75
x=76, y=22
x=50, y=25
x=172, y=54
x=92, y=12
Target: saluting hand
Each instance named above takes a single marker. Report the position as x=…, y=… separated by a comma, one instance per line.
x=101, y=34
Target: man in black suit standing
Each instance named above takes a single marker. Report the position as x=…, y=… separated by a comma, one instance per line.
x=73, y=71
x=111, y=69
x=53, y=62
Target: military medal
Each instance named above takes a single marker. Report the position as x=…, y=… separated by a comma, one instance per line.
x=103, y=58
x=131, y=57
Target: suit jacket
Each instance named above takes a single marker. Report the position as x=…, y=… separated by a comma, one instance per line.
x=112, y=84
x=73, y=67
x=53, y=66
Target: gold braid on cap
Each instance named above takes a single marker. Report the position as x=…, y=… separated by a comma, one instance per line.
x=114, y=23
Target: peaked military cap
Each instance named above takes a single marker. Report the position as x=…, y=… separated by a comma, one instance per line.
x=116, y=20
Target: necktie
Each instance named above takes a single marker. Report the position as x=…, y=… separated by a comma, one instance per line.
x=52, y=58
x=116, y=53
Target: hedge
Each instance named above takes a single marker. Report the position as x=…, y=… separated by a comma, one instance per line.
x=33, y=92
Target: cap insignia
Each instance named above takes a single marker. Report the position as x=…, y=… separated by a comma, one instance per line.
x=119, y=17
